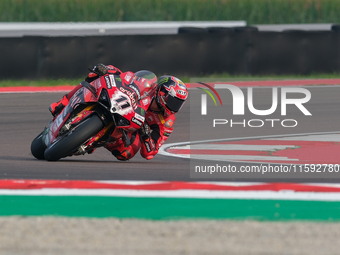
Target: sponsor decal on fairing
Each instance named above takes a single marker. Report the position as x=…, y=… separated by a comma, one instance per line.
x=108, y=82
x=112, y=80
x=139, y=117
x=135, y=89
x=138, y=122
x=128, y=77
x=131, y=97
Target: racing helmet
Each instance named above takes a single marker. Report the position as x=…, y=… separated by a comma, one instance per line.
x=171, y=94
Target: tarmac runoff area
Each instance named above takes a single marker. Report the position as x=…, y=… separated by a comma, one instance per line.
x=53, y=235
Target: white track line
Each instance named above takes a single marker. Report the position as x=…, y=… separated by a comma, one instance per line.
x=315, y=138
x=237, y=147
x=198, y=194
x=238, y=157
x=162, y=150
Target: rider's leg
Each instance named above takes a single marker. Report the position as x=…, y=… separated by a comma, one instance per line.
x=57, y=107
x=123, y=153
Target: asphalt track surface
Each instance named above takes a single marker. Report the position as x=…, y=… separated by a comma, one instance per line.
x=24, y=115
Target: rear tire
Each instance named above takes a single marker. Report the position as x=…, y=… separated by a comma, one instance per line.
x=38, y=147
x=63, y=147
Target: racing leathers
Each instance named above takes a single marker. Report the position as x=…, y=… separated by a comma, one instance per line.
x=160, y=129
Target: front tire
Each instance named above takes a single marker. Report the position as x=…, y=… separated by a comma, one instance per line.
x=64, y=147
x=38, y=147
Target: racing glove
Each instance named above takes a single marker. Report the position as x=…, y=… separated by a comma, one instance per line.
x=99, y=69
x=144, y=132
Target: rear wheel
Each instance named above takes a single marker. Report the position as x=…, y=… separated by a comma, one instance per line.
x=65, y=145
x=38, y=147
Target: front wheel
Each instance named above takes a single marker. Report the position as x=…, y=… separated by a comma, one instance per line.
x=38, y=147
x=65, y=145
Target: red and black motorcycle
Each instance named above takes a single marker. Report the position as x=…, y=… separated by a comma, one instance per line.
x=98, y=113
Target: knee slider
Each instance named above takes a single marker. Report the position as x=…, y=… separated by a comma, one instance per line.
x=123, y=156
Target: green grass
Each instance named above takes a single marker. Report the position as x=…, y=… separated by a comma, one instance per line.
x=39, y=83
x=252, y=11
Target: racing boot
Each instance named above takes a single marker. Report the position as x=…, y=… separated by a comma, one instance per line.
x=57, y=107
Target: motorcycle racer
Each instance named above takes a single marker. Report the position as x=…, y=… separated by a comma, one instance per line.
x=163, y=103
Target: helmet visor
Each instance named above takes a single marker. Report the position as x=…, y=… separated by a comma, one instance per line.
x=174, y=104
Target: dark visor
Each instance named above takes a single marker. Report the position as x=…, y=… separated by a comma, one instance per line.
x=174, y=104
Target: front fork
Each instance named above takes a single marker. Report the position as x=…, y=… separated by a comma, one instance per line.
x=92, y=143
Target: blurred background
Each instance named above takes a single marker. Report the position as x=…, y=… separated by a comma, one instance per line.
x=252, y=11
x=57, y=39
